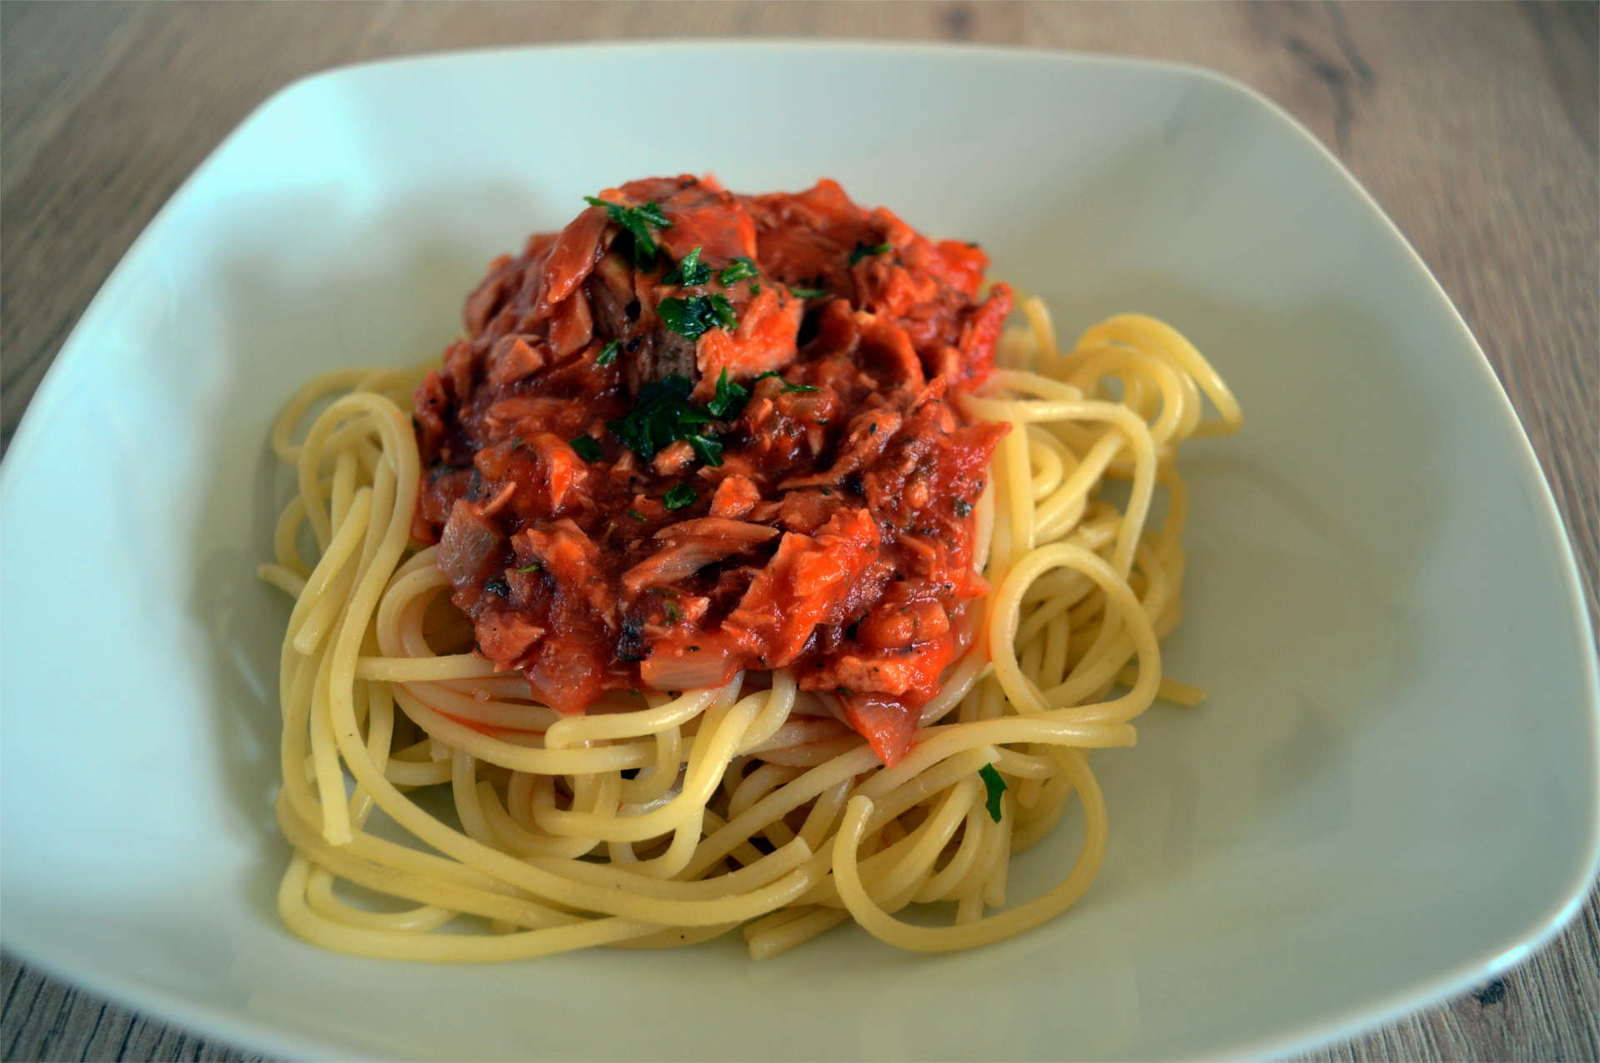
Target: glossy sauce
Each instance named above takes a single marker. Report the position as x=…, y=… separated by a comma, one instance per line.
x=802, y=496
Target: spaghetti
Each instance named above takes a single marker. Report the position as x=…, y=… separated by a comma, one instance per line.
x=439, y=811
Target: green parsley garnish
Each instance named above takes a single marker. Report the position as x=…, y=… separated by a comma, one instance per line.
x=670, y=609
x=535, y=567
x=740, y=269
x=788, y=388
x=635, y=514
x=678, y=496
x=662, y=416
x=689, y=272
x=708, y=448
x=861, y=251
x=586, y=447
x=696, y=315
x=638, y=221
x=807, y=293
x=729, y=399
x=995, y=785
x=608, y=353
x=755, y=287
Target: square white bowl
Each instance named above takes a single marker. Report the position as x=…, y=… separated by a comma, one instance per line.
x=1391, y=793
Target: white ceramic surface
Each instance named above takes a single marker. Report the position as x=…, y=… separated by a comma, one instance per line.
x=1391, y=793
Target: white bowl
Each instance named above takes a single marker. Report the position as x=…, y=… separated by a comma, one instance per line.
x=1390, y=794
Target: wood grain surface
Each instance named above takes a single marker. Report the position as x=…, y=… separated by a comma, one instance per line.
x=1476, y=126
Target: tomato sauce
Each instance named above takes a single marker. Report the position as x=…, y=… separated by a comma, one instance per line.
x=695, y=432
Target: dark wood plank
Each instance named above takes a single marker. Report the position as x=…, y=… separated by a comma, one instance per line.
x=1476, y=126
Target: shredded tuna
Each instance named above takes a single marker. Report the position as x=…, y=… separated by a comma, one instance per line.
x=695, y=432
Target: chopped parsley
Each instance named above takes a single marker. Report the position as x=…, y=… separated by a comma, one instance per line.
x=670, y=609
x=531, y=568
x=689, y=272
x=708, y=449
x=637, y=221
x=740, y=269
x=807, y=293
x=635, y=514
x=608, y=353
x=729, y=399
x=861, y=251
x=788, y=388
x=962, y=507
x=678, y=496
x=662, y=416
x=995, y=785
x=696, y=315
x=586, y=447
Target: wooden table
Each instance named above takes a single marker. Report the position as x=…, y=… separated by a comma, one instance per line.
x=1476, y=126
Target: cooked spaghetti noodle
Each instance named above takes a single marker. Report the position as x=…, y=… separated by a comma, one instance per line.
x=1084, y=589
x=438, y=811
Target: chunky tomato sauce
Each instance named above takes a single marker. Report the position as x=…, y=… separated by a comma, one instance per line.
x=696, y=432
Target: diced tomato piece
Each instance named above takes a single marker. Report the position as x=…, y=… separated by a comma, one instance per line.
x=680, y=664
x=888, y=724
x=567, y=673
x=982, y=331
x=961, y=265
